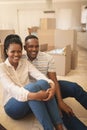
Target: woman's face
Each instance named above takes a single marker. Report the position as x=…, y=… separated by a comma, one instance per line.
x=14, y=53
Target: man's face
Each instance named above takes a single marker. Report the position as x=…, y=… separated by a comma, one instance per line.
x=32, y=48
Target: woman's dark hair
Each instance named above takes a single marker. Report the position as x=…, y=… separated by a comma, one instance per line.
x=30, y=37
x=10, y=39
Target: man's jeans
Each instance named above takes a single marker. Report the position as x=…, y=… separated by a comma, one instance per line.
x=70, y=89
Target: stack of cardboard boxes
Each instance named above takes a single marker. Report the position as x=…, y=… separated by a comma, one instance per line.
x=47, y=23
x=56, y=38
x=3, y=34
x=65, y=37
x=46, y=33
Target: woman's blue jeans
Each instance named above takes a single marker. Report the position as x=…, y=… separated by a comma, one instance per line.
x=46, y=112
x=70, y=89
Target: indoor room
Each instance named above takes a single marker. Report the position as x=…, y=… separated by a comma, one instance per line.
x=61, y=27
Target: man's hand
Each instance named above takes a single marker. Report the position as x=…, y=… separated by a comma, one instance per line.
x=64, y=107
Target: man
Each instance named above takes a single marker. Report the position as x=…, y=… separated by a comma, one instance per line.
x=45, y=63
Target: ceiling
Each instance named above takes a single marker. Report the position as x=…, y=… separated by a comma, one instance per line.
x=48, y=2
x=40, y=1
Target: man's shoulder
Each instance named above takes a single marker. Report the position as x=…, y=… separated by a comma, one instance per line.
x=44, y=54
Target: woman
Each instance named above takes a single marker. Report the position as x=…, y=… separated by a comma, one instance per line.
x=20, y=96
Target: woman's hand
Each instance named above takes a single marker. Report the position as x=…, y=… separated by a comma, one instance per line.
x=43, y=95
x=40, y=95
x=51, y=93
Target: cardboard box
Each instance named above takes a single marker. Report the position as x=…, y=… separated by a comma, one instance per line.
x=58, y=38
x=63, y=61
x=47, y=23
x=65, y=37
x=43, y=47
x=74, y=59
x=46, y=37
x=1, y=52
x=4, y=33
x=51, y=48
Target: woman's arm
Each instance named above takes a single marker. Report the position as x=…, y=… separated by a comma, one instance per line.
x=18, y=92
x=40, y=95
x=38, y=75
x=12, y=89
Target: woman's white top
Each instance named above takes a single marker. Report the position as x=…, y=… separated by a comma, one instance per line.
x=13, y=81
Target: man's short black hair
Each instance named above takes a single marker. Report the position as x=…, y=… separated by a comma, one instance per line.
x=30, y=37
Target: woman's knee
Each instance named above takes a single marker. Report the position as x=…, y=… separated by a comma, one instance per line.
x=43, y=84
x=37, y=86
x=32, y=87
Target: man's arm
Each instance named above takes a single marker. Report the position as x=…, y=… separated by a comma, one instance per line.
x=62, y=105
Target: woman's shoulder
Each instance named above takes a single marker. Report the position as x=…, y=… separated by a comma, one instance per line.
x=24, y=61
x=2, y=64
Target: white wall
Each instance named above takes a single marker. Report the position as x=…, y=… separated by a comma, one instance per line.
x=9, y=18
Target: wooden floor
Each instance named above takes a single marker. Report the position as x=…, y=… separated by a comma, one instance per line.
x=78, y=75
